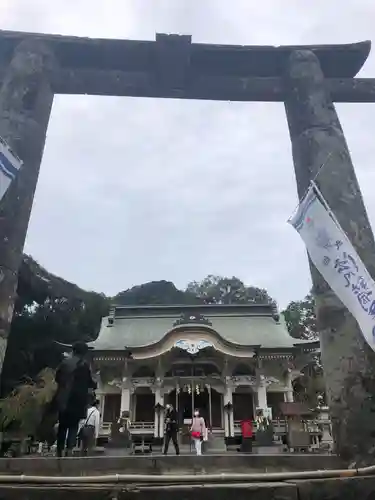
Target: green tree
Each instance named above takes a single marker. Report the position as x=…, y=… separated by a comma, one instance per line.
x=301, y=323
x=223, y=290
x=300, y=318
x=155, y=293
x=47, y=309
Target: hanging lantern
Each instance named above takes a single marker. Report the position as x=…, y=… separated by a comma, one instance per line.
x=197, y=389
x=189, y=389
x=178, y=389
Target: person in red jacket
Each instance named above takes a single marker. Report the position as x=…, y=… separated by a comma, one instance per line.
x=247, y=435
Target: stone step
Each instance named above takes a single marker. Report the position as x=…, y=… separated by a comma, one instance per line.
x=159, y=464
x=216, y=443
x=325, y=489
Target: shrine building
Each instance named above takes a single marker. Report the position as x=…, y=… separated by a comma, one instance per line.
x=227, y=360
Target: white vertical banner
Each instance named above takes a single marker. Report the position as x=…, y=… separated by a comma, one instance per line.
x=337, y=261
x=9, y=167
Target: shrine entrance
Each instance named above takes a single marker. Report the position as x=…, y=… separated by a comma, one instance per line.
x=194, y=382
x=206, y=399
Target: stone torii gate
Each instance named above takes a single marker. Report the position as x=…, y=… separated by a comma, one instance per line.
x=308, y=79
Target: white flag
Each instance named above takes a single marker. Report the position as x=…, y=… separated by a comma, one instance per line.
x=9, y=167
x=335, y=258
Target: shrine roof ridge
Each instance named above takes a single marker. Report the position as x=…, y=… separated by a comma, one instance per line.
x=146, y=56
x=263, y=309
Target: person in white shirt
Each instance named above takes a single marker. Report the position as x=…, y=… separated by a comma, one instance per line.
x=89, y=428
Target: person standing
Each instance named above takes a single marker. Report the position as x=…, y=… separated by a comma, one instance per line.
x=171, y=429
x=124, y=429
x=247, y=435
x=89, y=430
x=74, y=381
x=198, y=431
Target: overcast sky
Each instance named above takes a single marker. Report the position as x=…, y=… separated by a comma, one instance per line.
x=134, y=190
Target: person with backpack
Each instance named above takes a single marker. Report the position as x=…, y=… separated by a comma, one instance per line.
x=75, y=385
x=89, y=428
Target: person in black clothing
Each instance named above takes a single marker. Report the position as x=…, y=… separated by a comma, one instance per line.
x=74, y=382
x=171, y=429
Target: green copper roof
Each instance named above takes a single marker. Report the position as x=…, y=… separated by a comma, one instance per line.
x=241, y=325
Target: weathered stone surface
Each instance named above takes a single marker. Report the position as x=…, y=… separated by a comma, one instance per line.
x=343, y=60
x=325, y=489
x=176, y=487
x=25, y=105
x=362, y=488
x=184, y=464
x=260, y=491
x=172, y=66
x=349, y=364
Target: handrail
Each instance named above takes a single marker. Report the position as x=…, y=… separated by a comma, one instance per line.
x=141, y=425
x=187, y=479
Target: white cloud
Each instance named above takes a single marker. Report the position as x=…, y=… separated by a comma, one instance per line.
x=138, y=189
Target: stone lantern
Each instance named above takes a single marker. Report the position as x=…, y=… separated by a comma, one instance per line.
x=324, y=422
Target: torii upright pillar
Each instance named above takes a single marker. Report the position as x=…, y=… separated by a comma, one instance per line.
x=25, y=105
x=349, y=363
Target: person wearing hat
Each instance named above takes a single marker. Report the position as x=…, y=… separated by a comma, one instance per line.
x=75, y=385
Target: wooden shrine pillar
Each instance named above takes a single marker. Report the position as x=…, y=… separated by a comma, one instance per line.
x=349, y=363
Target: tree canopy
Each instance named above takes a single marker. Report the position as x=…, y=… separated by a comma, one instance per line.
x=155, y=293
x=211, y=290
x=300, y=318
x=301, y=323
x=48, y=309
x=223, y=290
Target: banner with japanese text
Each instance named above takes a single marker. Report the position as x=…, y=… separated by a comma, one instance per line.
x=335, y=258
x=9, y=167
